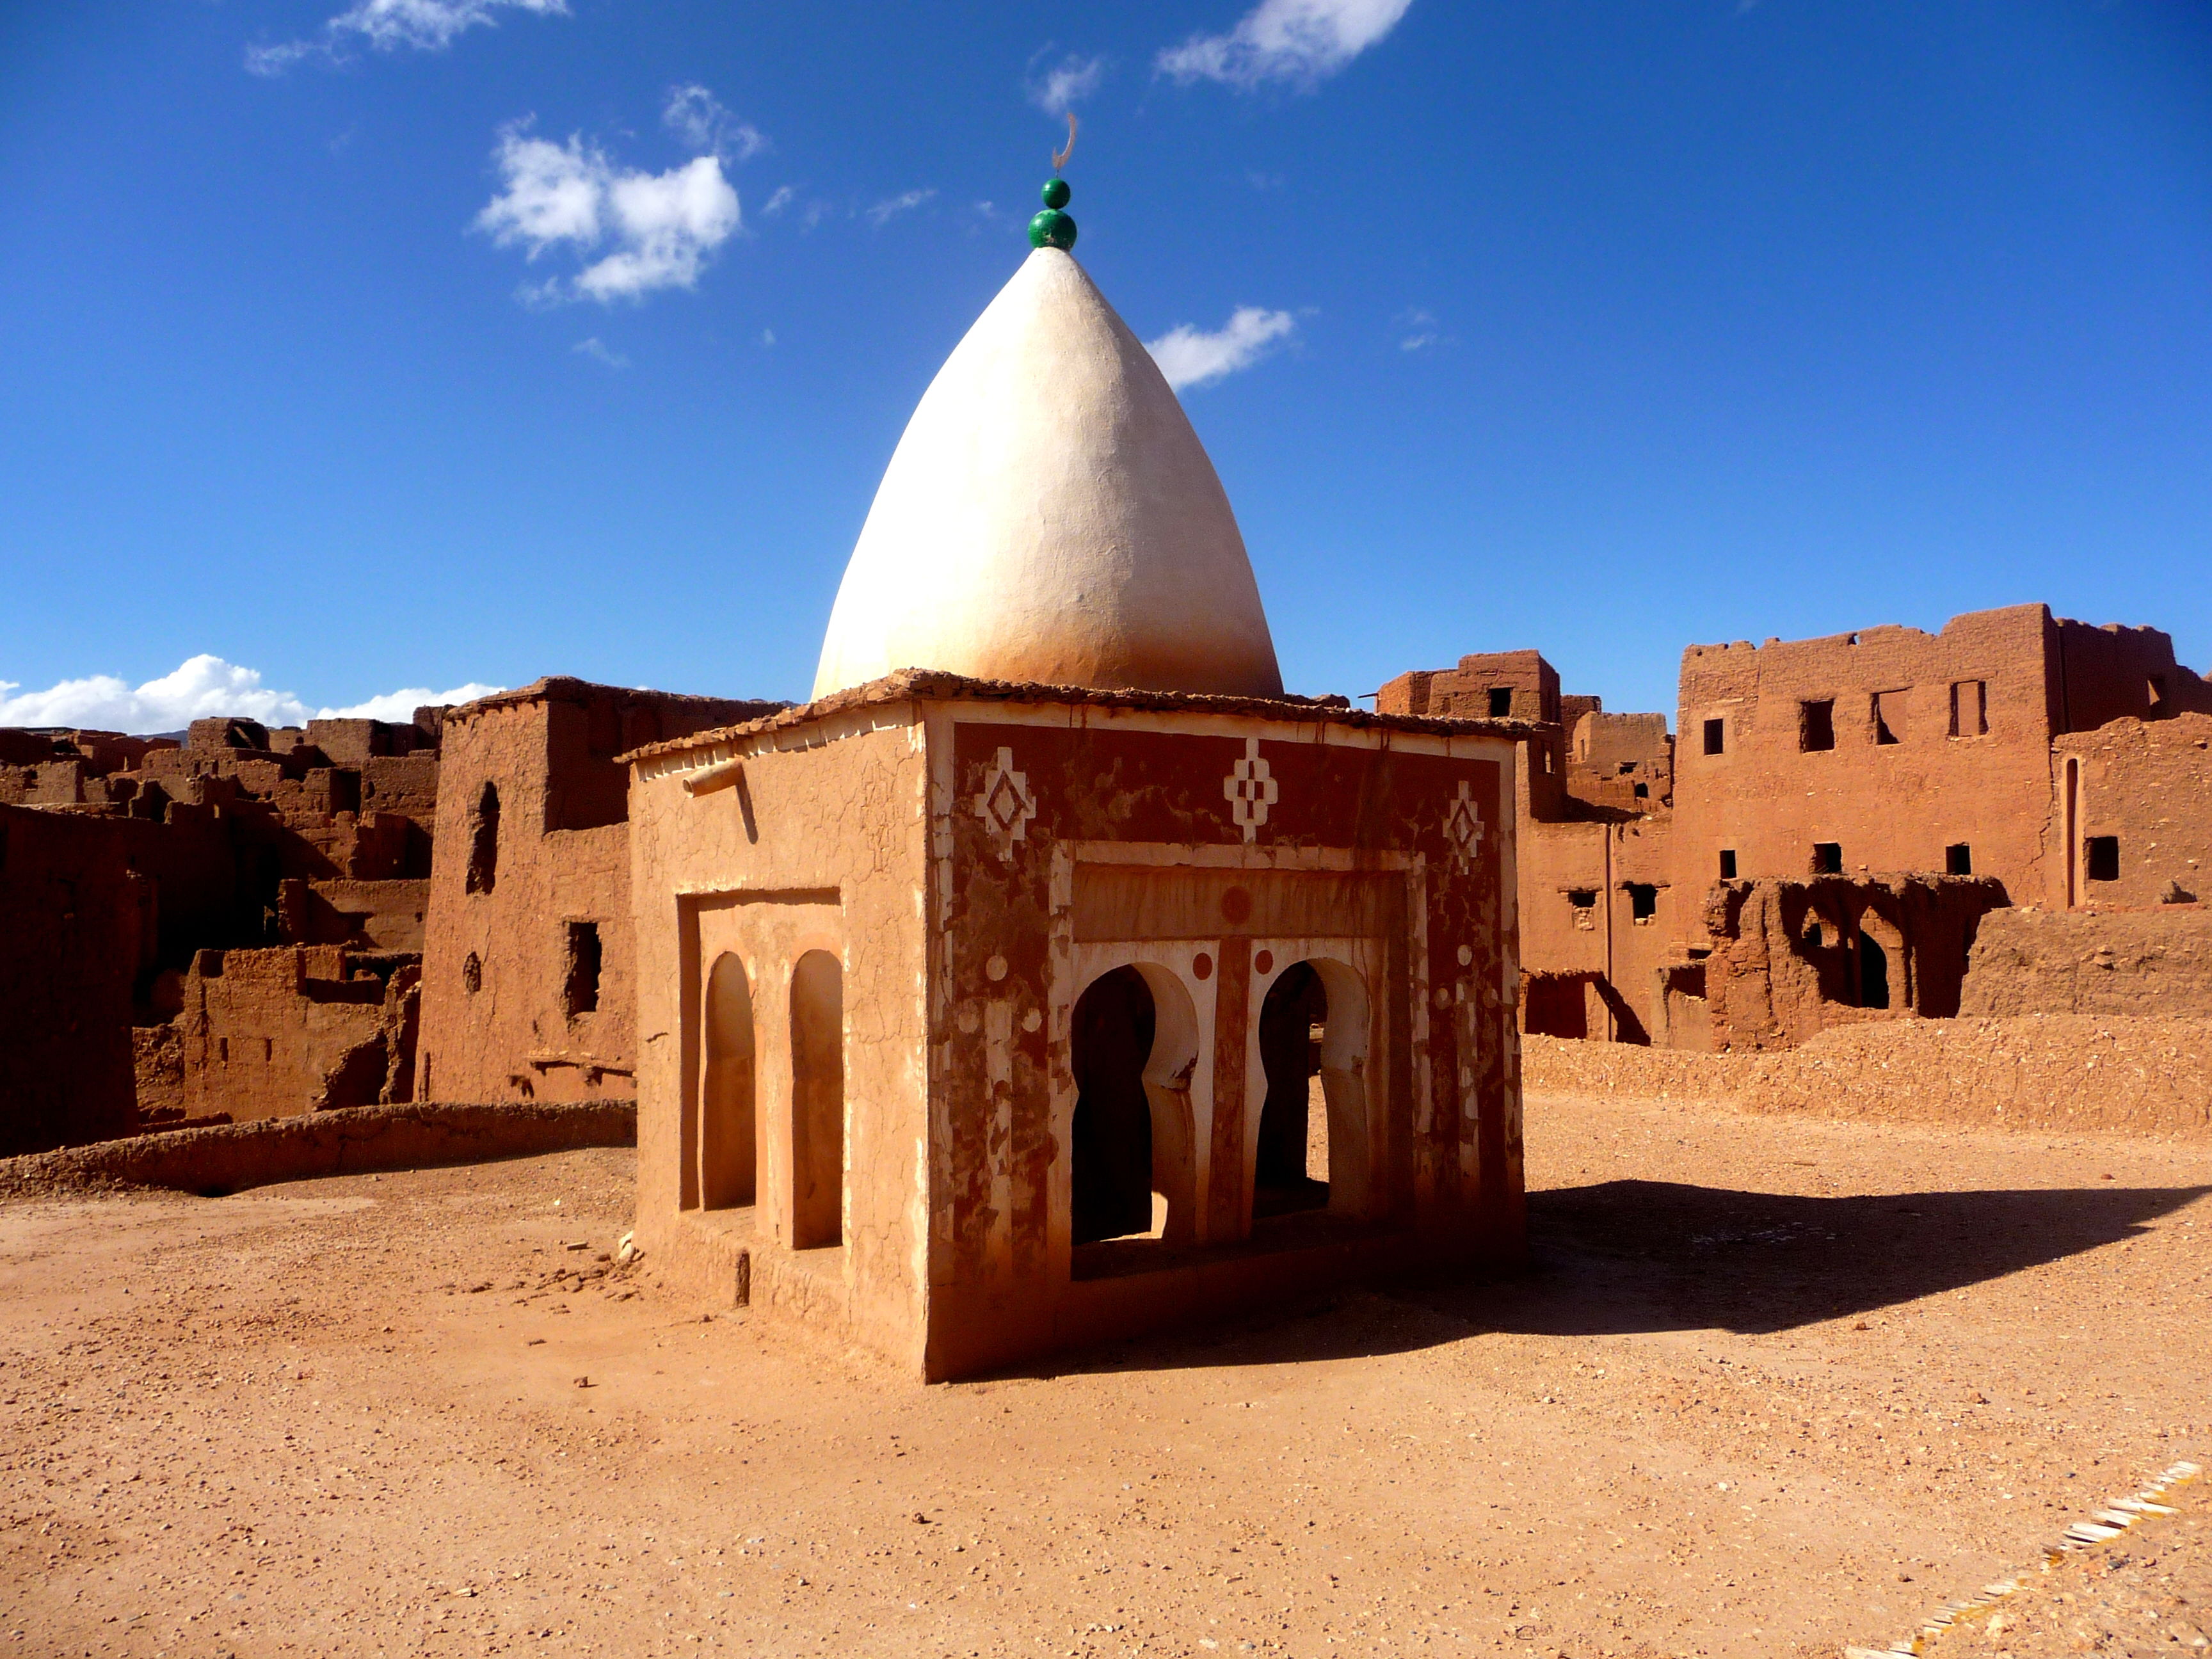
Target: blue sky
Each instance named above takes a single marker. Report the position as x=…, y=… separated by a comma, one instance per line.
x=431, y=343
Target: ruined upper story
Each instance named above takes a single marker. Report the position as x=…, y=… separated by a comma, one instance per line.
x=2017, y=675
x=548, y=751
x=1582, y=762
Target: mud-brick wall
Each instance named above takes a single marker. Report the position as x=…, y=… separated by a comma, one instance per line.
x=821, y=846
x=268, y=1033
x=2153, y=963
x=2148, y=784
x=1888, y=806
x=72, y=925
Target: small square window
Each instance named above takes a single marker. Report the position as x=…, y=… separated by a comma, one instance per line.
x=1728, y=864
x=1715, y=737
x=1827, y=858
x=1816, y=725
x=2101, y=858
x=1643, y=901
x=1583, y=898
x=1642, y=792
x=1501, y=702
x=1959, y=859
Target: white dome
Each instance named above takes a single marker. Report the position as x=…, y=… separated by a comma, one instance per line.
x=1049, y=515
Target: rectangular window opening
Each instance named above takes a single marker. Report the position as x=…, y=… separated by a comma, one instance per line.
x=1816, y=725
x=1959, y=859
x=1501, y=702
x=1643, y=791
x=1728, y=864
x=1827, y=858
x=581, y=992
x=1715, y=737
x=1643, y=901
x=1887, y=703
x=1582, y=898
x=2101, y=858
x=1970, y=708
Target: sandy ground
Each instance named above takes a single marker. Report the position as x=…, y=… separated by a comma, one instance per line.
x=1773, y=1387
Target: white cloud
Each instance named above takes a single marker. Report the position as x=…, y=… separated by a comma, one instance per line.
x=780, y=200
x=387, y=25
x=205, y=686
x=663, y=224
x=697, y=116
x=1074, y=77
x=892, y=206
x=599, y=352
x=768, y=336
x=1191, y=357
x=1421, y=330
x=1300, y=41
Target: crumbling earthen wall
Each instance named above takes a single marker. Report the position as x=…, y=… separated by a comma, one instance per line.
x=2134, y=800
x=266, y=1033
x=528, y=964
x=75, y=923
x=1792, y=958
x=2042, y=962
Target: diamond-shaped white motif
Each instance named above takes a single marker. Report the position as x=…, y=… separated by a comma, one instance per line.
x=1463, y=825
x=1250, y=789
x=1005, y=803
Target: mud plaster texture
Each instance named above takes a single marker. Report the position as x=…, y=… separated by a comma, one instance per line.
x=533, y=870
x=2071, y=764
x=2142, y=1076
x=1773, y=1386
x=2127, y=962
x=968, y=858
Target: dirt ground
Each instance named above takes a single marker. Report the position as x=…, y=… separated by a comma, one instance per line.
x=1773, y=1387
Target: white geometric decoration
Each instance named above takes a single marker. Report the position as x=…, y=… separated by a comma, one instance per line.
x=1251, y=789
x=1463, y=825
x=1005, y=804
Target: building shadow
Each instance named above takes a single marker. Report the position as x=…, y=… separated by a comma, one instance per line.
x=1624, y=1257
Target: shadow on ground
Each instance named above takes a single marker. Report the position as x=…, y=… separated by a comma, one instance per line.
x=1626, y=1256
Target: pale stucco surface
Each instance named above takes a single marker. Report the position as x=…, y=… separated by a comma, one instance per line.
x=1050, y=516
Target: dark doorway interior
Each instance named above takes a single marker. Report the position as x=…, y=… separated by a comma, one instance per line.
x=1110, y=1171
x=1874, y=972
x=1291, y=1022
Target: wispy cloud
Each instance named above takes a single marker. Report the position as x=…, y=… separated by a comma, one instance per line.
x=660, y=227
x=1074, y=78
x=388, y=25
x=892, y=206
x=699, y=119
x=1192, y=357
x=599, y=352
x=204, y=687
x=1421, y=331
x=783, y=198
x=1299, y=41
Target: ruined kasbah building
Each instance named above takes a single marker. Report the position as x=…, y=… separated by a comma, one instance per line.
x=1053, y=972
x=1824, y=840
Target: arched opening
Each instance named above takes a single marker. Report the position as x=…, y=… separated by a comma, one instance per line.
x=727, y=1139
x=1110, y=1154
x=1874, y=972
x=817, y=1102
x=484, y=841
x=1289, y=1167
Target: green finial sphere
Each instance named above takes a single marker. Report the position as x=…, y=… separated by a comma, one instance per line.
x=1052, y=229
x=1056, y=192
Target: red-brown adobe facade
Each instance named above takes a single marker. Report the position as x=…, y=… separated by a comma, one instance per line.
x=2068, y=763
x=527, y=966
x=922, y=967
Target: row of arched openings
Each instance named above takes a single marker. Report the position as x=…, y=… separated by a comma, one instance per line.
x=729, y=1126
x=1121, y=1179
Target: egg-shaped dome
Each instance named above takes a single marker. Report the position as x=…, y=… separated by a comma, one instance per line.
x=1049, y=516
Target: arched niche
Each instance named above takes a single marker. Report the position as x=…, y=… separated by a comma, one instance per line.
x=818, y=1100
x=728, y=1129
